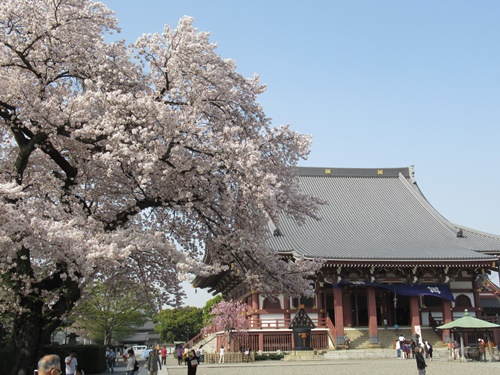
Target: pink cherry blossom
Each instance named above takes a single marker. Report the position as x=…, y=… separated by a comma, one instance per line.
x=129, y=165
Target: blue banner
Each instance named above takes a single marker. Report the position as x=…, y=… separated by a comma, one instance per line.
x=437, y=290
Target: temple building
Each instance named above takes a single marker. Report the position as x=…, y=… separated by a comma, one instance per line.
x=390, y=257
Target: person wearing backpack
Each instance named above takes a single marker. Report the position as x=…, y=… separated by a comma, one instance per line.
x=131, y=362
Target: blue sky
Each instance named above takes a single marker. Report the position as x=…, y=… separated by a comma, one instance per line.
x=378, y=84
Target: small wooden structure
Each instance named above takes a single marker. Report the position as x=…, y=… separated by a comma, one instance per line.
x=470, y=323
x=302, y=325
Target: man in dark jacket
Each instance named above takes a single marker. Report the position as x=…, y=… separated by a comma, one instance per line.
x=420, y=361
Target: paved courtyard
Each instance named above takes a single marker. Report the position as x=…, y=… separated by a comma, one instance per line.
x=337, y=367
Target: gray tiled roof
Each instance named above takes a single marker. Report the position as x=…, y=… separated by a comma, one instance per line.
x=377, y=214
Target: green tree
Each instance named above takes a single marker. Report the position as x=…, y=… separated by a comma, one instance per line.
x=109, y=315
x=207, y=309
x=179, y=324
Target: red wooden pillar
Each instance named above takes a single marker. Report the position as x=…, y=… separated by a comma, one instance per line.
x=372, y=315
x=347, y=303
x=321, y=307
x=261, y=341
x=415, y=312
x=255, y=309
x=477, y=302
x=286, y=306
x=338, y=308
x=447, y=318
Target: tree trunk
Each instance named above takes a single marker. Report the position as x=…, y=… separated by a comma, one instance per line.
x=107, y=337
x=32, y=329
x=29, y=341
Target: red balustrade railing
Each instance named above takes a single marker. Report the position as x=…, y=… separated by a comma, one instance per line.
x=199, y=337
x=283, y=323
x=331, y=330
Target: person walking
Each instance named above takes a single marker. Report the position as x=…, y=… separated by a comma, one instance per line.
x=429, y=349
x=49, y=364
x=110, y=360
x=419, y=358
x=164, y=355
x=71, y=363
x=179, y=355
x=130, y=361
x=192, y=362
x=404, y=350
x=154, y=362
x=201, y=352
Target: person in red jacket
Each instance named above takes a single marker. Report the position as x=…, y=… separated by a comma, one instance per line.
x=163, y=355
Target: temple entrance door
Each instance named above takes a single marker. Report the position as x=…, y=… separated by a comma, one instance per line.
x=384, y=306
x=359, y=306
x=328, y=303
x=402, y=310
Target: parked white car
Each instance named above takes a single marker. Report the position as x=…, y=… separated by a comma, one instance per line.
x=139, y=349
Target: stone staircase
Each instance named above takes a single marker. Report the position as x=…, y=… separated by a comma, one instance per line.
x=372, y=354
x=360, y=347
x=387, y=337
x=360, y=338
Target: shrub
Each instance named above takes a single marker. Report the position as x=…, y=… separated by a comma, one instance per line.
x=269, y=356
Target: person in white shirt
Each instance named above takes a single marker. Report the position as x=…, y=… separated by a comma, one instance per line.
x=130, y=362
x=221, y=352
x=71, y=363
x=201, y=353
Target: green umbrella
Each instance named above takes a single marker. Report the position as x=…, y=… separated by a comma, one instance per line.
x=467, y=322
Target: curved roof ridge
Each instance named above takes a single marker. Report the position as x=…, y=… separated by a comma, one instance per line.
x=429, y=207
x=355, y=172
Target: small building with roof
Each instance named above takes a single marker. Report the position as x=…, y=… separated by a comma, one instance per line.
x=388, y=255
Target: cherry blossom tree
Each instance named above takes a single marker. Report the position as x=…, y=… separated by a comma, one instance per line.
x=124, y=164
x=230, y=317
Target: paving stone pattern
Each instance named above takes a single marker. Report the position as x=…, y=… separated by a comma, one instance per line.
x=393, y=366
